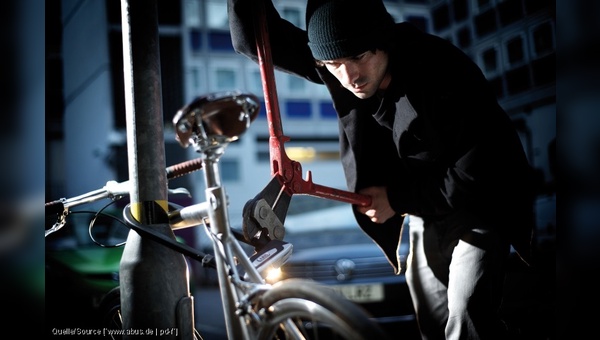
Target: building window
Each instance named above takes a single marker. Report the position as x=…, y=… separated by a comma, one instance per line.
x=262, y=113
x=441, y=17
x=489, y=59
x=517, y=80
x=225, y=79
x=216, y=14
x=171, y=68
x=544, y=70
x=463, y=36
x=497, y=86
x=220, y=41
x=298, y=109
x=196, y=83
x=485, y=23
x=195, y=40
x=510, y=11
x=483, y=4
x=515, y=51
x=223, y=75
x=327, y=110
x=543, y=39
x=460, y=9
x=532, y=6
x=254, y=81
x=193, y=13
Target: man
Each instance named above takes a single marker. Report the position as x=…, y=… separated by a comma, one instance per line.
x=421, y=132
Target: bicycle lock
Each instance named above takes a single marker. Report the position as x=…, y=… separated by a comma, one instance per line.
x=155, y=296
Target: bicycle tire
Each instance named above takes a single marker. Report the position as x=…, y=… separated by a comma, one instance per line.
x=316, y=312
x=109, y=313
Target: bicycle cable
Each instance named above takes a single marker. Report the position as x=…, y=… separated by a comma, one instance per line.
x=93, y=222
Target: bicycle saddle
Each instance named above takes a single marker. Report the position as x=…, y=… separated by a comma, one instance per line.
x=226, y=114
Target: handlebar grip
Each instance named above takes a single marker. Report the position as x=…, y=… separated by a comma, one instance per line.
x=55, y=207
x=184, y=168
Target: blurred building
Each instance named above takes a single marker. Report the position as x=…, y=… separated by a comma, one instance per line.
x=513, y=41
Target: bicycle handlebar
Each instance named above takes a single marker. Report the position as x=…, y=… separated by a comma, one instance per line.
x=114, y=189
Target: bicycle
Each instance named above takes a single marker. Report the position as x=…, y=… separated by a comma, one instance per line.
x=253, y=308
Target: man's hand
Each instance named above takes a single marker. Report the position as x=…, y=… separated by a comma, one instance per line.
x=380, y=210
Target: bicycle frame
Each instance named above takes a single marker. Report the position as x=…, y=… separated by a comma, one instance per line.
x=236, y=292
x=239, y=278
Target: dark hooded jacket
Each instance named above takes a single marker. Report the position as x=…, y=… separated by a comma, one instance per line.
x=437, y=138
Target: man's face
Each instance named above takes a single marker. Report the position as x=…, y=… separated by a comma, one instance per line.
x=363, y=74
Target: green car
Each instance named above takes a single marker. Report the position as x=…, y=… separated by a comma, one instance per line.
x=82, y=276
x=79, y=272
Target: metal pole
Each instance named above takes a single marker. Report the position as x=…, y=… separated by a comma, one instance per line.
x=155, y=297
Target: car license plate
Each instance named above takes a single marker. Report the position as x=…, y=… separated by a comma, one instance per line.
x=361, y=293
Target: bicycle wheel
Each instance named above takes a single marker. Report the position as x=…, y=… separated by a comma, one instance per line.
x=109, y=313
x=303, y=309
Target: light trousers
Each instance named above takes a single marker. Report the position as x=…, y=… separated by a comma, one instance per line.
x=455, y=272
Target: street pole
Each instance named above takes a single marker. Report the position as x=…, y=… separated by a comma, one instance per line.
x=155, y=296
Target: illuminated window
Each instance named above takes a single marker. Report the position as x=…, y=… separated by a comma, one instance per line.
x=192, y=13
x=196, y=80
x=225, y=79
x=224, y=75
x=254, y=81
x=216, y=14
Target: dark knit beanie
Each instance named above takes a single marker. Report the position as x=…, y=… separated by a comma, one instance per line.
x=346, y=28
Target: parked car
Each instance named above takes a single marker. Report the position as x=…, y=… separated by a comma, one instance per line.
x=329, y=247
x=81, y=275
x=79, y=272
